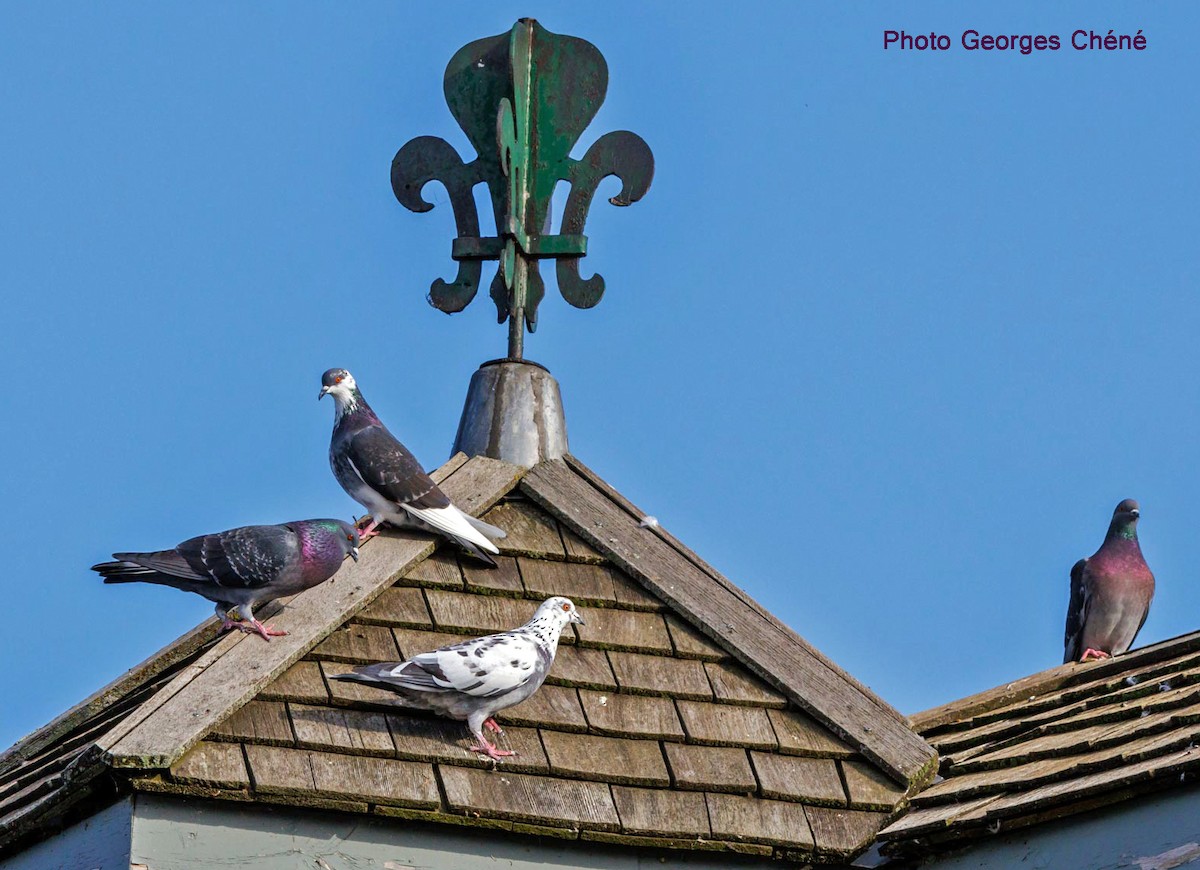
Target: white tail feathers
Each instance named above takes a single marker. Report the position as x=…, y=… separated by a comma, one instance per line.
x=452, y=522
x=493, y=532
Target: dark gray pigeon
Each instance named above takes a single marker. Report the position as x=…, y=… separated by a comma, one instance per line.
x=380, y=474
x=244, y=567
x=1110, y=592
x=476, y=679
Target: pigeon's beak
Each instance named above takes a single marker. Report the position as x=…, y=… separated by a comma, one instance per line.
x=354, y=553
x=576, y=618
x=321, y=395
x=1135, y=513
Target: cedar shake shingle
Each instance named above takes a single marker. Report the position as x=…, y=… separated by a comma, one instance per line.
x=800, y=734
x=504, y=579
x=345, y=692
x=691, y=644
x=661, y=812
x=540, y=799
x=583, y=584
x=358, y=644
x=660, y=675
x=758, y=820
x=608, y=759
x=789, y=777
x=353, y=731
x=733, y=684
x=710, y=768
x=481, y=614
x=258, y=722
x=301, y=682
x=275, y=769
x=624, y=629
x=374, y=780
x=869, y=789
x=219, y=765
x=589, y=668
x=631, y=715
x=727, y=725
x=412, y=642
x=530, y=530
x=440, y=570
x=399, y=605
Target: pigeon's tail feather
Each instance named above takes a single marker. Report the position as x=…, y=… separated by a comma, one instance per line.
x=400, y=677
x=124, y=572
x=166, y=567
x=475, y=551
x=453, y=523
x=493, y=532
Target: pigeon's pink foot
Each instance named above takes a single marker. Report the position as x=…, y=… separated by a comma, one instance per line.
x=368, y=531
x=228, y=624
x=492, y=725
x=489, y=750
x=263, y=631
x=1090, y=653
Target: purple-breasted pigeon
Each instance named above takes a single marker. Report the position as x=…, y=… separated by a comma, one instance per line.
x=380, y=474
x=244, y=567
x=475, y=679
x=1110, y=592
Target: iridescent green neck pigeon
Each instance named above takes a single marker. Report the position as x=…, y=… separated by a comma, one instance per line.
x=244, y=567
x=379, y=473
x=476, y=679
x=1110, y=592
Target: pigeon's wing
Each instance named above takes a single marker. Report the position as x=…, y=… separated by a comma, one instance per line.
x=247, y=557
x=1076, y=613
x=484, y=668
x=385, y=465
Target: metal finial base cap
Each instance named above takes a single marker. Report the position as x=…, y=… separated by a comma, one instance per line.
x=513, y=412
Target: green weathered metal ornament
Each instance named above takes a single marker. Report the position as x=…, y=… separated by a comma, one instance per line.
x=523, y=98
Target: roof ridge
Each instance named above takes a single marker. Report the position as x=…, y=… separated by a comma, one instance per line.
x=705, y=598
x=1052, y=679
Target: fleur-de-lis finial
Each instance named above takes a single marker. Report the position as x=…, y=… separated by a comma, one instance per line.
x=523, y=98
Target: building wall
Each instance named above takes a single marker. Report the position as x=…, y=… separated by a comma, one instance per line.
x=180, y=834
x=100, y=842
x=1144, y=833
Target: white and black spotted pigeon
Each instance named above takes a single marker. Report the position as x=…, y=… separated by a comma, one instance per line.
x=380, y=474
x=1110, y=592
x=476, y=679
x=244, y=567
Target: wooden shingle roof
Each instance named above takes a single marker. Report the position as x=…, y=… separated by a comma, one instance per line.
x=682, y=715
x=1056, y=743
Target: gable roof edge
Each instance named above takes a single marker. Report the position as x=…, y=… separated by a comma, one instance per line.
x=762, y=643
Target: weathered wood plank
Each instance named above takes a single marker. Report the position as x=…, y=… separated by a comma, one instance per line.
x=258, y=722
x=218, y=765
x=278, y=770
x=522, y=797
x=624, y=629
x=583, y=584
x=691, y=644
x=586, y=668
x=504, y=579
x=608, y=759
x=441, y=570
x=660, y=812
x=358, y=643
x=579, y=550
x=643, y=674
x=481, y=614
x=790, y=777
x=799, y=734
x=781, y=823
x=354, y=731
x=726, y=725
x=301, y=682
x=730, y=618
x=530, y=531
x=375, y=780
x=235, y=671
x=868, y=789
x=843, y=832
x=631, y=715
x=550, y=705
x=710, y=768
x=733, y=685
x=402, y=606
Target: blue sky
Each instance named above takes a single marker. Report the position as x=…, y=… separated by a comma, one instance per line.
x=887, y=340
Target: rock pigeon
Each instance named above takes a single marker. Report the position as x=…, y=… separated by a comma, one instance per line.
x=1110, y=592
x=475, y=679
x=380, y=474
x=244, y=567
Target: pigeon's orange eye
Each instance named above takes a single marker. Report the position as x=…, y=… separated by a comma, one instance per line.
x=566, y=607
x=349, y=537
x=337, y=380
